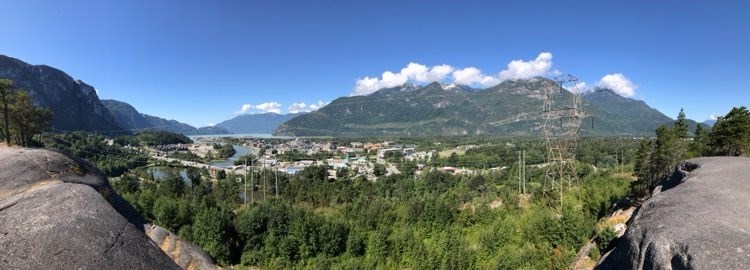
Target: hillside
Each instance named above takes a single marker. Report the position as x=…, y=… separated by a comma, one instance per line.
x=75, y=104
x=263, y=123
x=511, y=108
x=129, y=118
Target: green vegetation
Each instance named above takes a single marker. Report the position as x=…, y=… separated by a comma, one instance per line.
x=223, y=151
x=21, y=120
x=436, y=220
x=152, y=138
x=657, y=158
x=112, y=159
x=416, y=220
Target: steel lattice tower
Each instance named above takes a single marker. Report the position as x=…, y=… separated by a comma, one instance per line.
x=562, y=113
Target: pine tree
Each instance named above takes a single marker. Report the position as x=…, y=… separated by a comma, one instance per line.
x=681, y=125
x=699, y=145
x=6, y=95
x=731, y=133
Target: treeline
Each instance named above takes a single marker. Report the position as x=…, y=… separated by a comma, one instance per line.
x=21, y=120
x=113, y=159
x=153, y=138
x=657, y=158
x=600, y=152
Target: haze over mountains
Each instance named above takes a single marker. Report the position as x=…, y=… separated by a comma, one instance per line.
x=262, y=123
x=511, y=108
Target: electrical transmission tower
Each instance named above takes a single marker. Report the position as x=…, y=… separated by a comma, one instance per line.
x=563, y=115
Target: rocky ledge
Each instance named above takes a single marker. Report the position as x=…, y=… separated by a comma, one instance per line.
x=58, y=212
x=699, y=219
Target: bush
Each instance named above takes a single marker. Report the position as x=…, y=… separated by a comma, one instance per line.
x=605, y=238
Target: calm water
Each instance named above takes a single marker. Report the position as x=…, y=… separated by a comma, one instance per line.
x=238, y=152
x=261, y=136
x=159, y=172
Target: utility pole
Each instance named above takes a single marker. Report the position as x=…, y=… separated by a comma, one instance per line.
x=252, y=181
x=523, y=159
x=276, y=175
x=263, y=173
x=520, y=189
x=245, y=190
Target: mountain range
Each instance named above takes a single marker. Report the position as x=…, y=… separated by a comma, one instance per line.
x=512, y=108
x=262, y=123
x=129, y=118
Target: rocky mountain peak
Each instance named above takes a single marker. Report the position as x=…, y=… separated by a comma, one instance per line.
x=75, y=104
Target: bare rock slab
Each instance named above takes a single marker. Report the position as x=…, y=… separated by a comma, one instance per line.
x=57, y=212
x=699, y=222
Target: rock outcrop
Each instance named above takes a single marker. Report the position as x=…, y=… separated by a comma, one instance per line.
x=75, y=103
x=699, y=219
x=185, y=254
x=58, y=212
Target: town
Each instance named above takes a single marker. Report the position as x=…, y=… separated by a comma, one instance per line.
x=367, y=159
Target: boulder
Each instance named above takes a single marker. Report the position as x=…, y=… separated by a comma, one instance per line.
x=699, y=219
x=185, y=254
x=58, y=212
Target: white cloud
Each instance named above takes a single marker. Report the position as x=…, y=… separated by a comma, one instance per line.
x=244, y=109
x=519, y=69
x=712, y=117
x=472, y=76
x=579, y=87
x=211, y=124
x=302, y=107
x=265, y=107
x=273, y=107
x=297, y=107
x=414, y=72
x=618, y=83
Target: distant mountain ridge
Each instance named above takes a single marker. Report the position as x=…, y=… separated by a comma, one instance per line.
x=129, y=118
x=262, y=123
x=75, y=104
x=512, y=108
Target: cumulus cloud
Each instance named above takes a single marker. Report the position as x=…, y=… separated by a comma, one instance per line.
x=712, y=117
x=413, y=72
x=579, y=87
x=472, y=76
x=519, y=69
x=618, y=83
x=265, y=107
x=273, y=107
x=244, y=109
x=303, y=107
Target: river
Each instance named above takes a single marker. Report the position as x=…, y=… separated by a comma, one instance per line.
x=239, y=151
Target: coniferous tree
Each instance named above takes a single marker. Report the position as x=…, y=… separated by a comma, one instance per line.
x=6, y=95
x=731, y=133
x=681, y=125
x=699, y=145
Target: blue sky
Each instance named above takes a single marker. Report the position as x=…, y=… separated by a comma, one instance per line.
x=199, y=62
